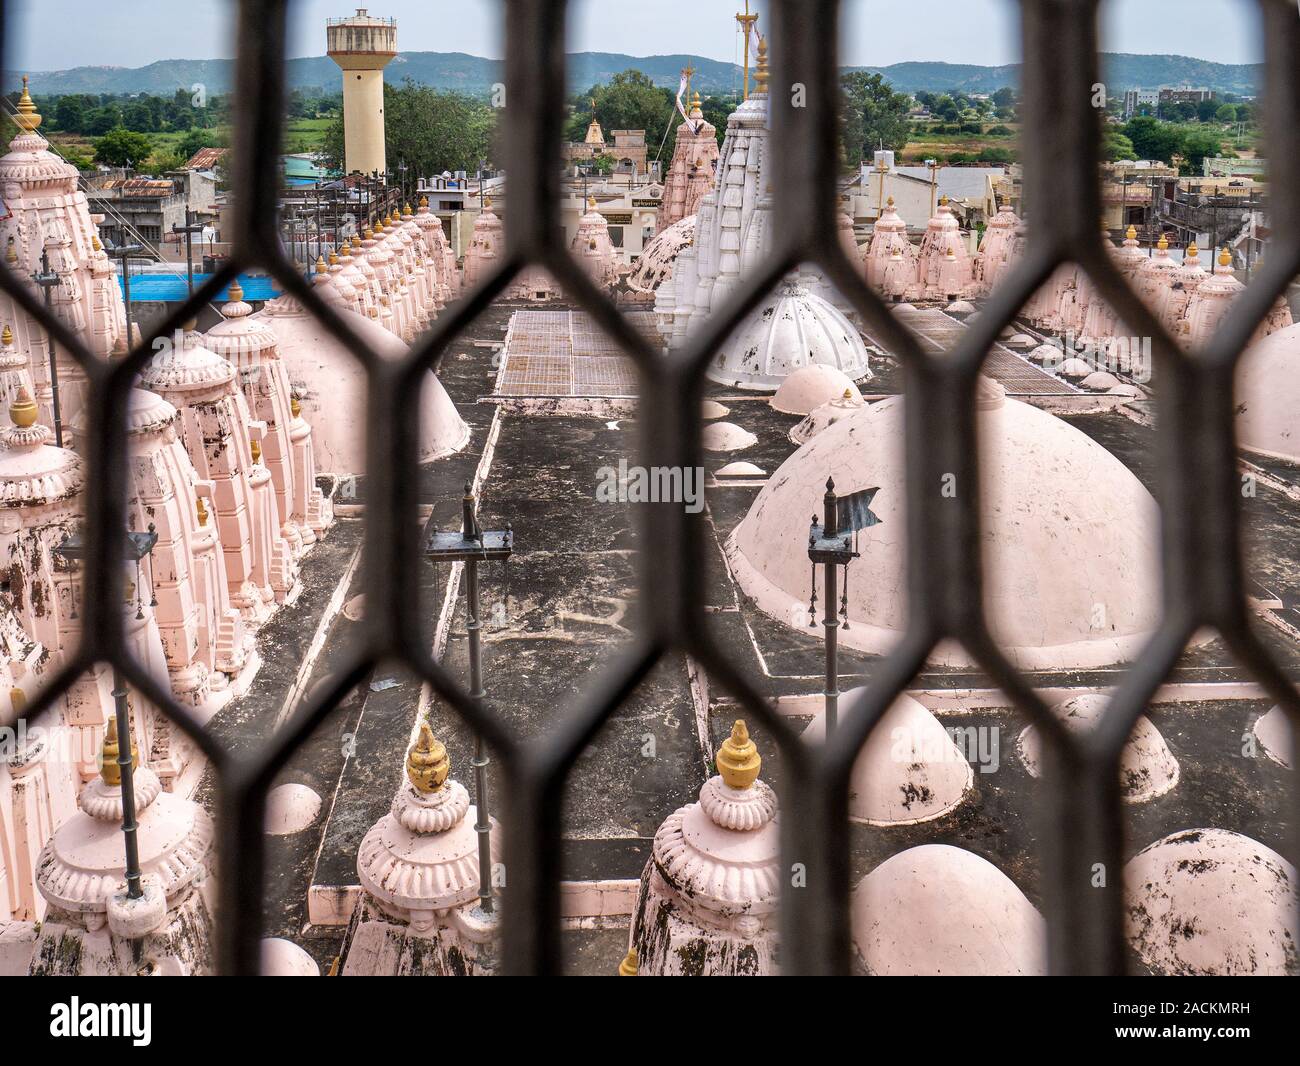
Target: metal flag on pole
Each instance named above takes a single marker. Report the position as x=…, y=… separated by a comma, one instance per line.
x=854, y=511
x=831, y=542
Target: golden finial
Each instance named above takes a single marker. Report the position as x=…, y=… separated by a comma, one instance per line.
x=334, y=259
x=943, y=201
x=109, y=770
x=321, y=268
x=760, y=75
x=236, y=291
x=848, y=394
x=1132, y=233
x=424, y=201
x=11, y=251
x=1225, y=257
x=406, y=208
x=427, y=765
x=256, y=449
x=17, y=700
x=738, y=759
x=630, y=964
x=22, y=412
x=7, y=337
x=367, y=233
x=1163, y=243
x=487, y=203
x=591, y=203
x=1192, y=251
x=27, y=118
x=94, y=242
x=201, y=509
x=295, y=408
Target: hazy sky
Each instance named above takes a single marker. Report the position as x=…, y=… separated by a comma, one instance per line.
x=56, y=34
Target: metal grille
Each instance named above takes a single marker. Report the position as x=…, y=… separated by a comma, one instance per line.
x=561, y=353
x=1199, y=487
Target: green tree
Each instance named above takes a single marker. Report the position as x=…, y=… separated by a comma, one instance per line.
x=164, y=159
x=199, y=138
x=70, y=113
x=1115, y=146
x=1205, y=110
x=428, y=130
x=102, y=119
x=1226, y=114
x=121, y=147
x=631, y=101
x=716, y=110
x=872, y=115
x=1152, y=139
x=140, y=117
x=1198, y=144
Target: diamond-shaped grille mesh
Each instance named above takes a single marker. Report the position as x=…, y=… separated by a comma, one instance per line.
x=1200, y=491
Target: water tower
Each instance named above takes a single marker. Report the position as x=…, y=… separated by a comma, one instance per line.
x=362, y=46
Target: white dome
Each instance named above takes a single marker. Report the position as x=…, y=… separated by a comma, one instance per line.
x=740, y=470
x=711, y=409
x=1045, y=353
x=290, y=809
x=331, y=386
x=1065, y=527
x=1147, y=768
x=1207, y=901
x=908, y=771
x=811, y=386
x=284, y=958
x=1100, y=381
x=790, y=328
x=1268, y=395
x=1074, y=368
x=658, y=258
x=939, y=910
x=1274, y=732
x=727, y=437
x=826, y=415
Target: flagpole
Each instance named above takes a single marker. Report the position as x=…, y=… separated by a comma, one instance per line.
x=830, y=605
x=831, y=543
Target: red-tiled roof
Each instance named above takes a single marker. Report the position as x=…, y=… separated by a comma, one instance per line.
x=205, y=158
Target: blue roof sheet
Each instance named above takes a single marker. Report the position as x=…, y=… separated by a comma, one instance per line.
x=165, y=288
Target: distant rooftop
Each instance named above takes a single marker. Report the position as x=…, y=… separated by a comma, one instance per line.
x=168, y=288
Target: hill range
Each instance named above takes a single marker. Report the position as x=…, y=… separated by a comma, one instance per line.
x=475, y=74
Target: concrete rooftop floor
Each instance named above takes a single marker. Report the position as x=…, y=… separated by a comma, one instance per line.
x=566, y=608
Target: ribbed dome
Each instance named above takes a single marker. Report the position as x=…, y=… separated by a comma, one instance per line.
x=1065, y=526
x=940, y=910
x=189, y=367
x=1268, y=395
x=331, y=385
x=909, y=770
x=1207, y=901
x=791, y=328
x=660, y=256
x=33, y=472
